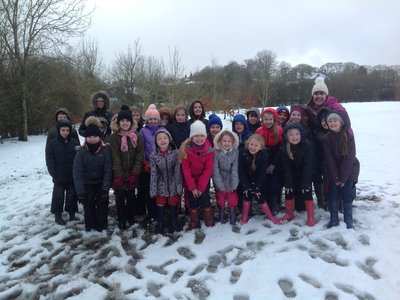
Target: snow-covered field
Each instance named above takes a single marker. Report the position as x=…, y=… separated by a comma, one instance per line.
x=42, y=260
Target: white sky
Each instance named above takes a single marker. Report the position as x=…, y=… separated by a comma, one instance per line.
x=304, y=31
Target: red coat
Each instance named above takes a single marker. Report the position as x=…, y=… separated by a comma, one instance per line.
x=198, y=167
x=268, y=135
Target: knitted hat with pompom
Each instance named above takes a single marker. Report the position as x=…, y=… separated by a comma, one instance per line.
x=319, y=86
x=197, y=128
x=151, y=113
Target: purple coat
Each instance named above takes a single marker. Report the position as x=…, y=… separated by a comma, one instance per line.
x=339, y=167
x=147, y=135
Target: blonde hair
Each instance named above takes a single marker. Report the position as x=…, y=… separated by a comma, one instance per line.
x=224, y=133
x=258, y=137
x=288, y=144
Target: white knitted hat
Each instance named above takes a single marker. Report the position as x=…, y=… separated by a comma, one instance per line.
x=319, y=86
x=152, y=112
x=196, y=128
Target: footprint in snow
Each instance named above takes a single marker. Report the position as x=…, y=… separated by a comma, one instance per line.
x=367, y=267
x=199, y=237
x=364, y=239
x=310, y=280
x=331, y=296
x=186, y=252
x=235, y=275
x=199, y=289
x=154, y=289
x=241, y=296
x=286, y=286
x=177, y=274
x=198, y=269
x=213, y=263
x=251, y=231
x=349, y=289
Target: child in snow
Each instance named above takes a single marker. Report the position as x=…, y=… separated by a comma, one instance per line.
x=60, y=114
x=166, y=116
x=239, y=126
x=127, y=156
x=272, y=134
x=197, y=112
x=253, y=162
x=60, y=155
x=93, y=177
x=137, y=117
x=283, y=115
x=197, y=167
x=342, y=166
x=166, y=178
x=226, y=174
x=215, y=126
x=180, y=128
x=298, y=167
x=253, y=119
x=152, y=124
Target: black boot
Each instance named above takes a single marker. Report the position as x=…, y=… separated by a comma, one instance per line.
x=59, y=220
x=232, y=215
x=160, y=219
x=174, y=218
x=221, y=214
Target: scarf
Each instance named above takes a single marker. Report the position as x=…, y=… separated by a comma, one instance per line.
x=124, y=139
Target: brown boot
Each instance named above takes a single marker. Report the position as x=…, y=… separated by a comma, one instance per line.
x=194, y=218
x=208, y=216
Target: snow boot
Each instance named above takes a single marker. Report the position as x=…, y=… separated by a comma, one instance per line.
x=174, y=217
x=289, y=211
x=194, y=218
x=208, y=216
x=267, y=212
x=245, y=212
x=160, y=219
x=221, y=214
x=59, y=220
x=310, y=212
x=232, y=215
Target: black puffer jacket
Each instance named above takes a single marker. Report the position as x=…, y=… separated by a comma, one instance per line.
x=60, y=155
x=92, y=168
x=249, y=179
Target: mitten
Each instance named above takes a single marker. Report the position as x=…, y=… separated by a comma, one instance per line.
x=133, y=181
x=118, y=182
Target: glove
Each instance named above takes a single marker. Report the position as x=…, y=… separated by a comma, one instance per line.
x=146, y=166
x=81, y=198
x=104, y=196
x=133, y=181
x=118, y=182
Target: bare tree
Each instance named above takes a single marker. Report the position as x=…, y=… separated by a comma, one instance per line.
x=262, y=68
x=89, y=59
x=175, y=75
x=30, y=28
x=127, y=71
x=153, y=80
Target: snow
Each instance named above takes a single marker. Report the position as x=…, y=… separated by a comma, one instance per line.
x=40, y=259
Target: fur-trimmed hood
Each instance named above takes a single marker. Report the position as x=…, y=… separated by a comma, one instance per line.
x=104, y=95
x=217, y=145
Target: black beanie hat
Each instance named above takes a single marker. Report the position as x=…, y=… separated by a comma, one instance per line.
x=124, y=114
x=64, y=123
x=124, y=107
x=92, y=130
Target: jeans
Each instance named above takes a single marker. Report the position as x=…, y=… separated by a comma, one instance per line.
x=347, y=194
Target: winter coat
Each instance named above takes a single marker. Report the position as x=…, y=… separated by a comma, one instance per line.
x=60, y=155
x=249, y=180
x=165, y=174
x=271, y=143
x=92, y=168
x=339, y=167
x=246, y=132
x=53, y=132
x=96, y=112
x=197, y=167
x=299, y=170
x=254, y=127
x=179, y=132
x=226, y=172
x=126, y=163
x=147, y=135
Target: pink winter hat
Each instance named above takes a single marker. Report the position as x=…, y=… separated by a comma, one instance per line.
x=152, y=112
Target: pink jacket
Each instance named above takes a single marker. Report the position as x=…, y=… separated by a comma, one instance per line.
x=198, y=167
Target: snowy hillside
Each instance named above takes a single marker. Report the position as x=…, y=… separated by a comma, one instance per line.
x=40, y=259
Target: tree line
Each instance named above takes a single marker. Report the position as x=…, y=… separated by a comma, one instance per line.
x=40, y=71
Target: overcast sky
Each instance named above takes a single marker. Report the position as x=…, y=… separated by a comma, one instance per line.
x=365, y=32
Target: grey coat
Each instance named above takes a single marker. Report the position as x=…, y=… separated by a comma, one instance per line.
x=165, y=174
x=226, y=173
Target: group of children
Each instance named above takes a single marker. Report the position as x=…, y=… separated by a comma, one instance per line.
x=154, y=163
